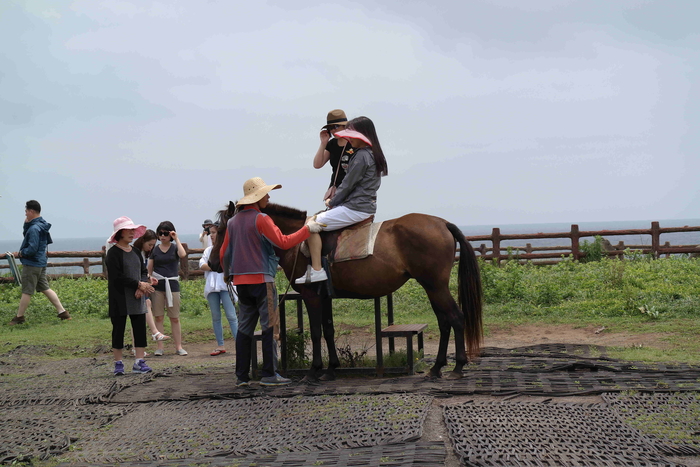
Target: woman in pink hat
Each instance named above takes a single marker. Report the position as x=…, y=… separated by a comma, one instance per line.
x=127, y=284
x=356, y=198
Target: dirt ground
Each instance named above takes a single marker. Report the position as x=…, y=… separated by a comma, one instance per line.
x=515, y=336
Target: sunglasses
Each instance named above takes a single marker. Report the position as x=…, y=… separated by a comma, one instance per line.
x=163, y=233
x=335, y=127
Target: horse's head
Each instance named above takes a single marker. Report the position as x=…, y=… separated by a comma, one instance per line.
x=223, y=216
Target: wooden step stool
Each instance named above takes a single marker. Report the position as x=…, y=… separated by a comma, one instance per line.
x=407, y=331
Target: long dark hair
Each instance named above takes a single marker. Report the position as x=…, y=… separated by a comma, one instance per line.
x=147, y=236
x=222, y=218
x=365, y=126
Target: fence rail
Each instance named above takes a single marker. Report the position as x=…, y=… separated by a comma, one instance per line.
x=496, y=252
x=188, y=266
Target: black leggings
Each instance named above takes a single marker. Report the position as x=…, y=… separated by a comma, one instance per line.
x=138, y=324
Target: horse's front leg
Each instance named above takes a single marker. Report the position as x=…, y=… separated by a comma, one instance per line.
x=314, y=309
x=329, y=336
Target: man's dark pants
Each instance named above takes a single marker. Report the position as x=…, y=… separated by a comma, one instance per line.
x=256, y=301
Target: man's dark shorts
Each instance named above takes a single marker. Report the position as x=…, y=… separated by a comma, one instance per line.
x=34, y=280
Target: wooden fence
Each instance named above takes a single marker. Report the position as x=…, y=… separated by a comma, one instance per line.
x=496, y=252
x=553, y=254
x=188, y=266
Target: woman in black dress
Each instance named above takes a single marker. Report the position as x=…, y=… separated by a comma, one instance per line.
x=127, y=285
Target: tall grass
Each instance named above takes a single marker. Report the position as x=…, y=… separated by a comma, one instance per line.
x=637, y=295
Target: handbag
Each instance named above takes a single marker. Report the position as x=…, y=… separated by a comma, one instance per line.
x=330, y=192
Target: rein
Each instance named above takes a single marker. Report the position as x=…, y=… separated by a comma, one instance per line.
x=294, y=266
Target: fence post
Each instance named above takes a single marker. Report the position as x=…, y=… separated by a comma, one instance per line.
x=185, y=263
x=86, y=266
x=104, y=261
x=655, y=239
x=496, y=245
x=574, y=242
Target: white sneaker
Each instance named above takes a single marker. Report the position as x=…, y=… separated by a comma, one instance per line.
x=312, y=275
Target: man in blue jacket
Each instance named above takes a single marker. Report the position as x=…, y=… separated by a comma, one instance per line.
x=32, y=255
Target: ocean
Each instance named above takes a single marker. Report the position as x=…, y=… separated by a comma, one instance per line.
x=681, y=238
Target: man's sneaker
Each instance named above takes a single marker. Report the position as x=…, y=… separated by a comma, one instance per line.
x=140, y=366
x=241, y=384
x=158, y=353
x=276, y=380
x=119, y=368
x=64, y=315
x=312, y=275
x=16, y=320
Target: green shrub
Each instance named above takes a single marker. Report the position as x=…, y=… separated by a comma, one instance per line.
x=593, y=251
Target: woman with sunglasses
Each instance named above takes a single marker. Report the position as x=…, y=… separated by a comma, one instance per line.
x=336, y=150
x=144, y=247
x=163, y=264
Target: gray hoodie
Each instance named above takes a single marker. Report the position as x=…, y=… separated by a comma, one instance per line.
x=359, y=188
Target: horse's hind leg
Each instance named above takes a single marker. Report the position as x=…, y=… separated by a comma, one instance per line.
x=449, y=316
x=441, y=359
x=329, y=336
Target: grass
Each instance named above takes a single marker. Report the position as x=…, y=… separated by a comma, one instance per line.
x=638, y=295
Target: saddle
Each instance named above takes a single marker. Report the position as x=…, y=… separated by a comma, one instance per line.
x=353, y=242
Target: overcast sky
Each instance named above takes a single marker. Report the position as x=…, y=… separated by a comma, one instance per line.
x=490, y=112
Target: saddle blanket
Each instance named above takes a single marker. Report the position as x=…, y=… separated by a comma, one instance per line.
x=356, y=243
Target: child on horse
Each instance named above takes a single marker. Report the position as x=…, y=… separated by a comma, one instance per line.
x=249, y=260
x=356, y=198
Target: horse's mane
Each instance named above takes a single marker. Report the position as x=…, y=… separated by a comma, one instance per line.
x=271, y=209
x=284, y=211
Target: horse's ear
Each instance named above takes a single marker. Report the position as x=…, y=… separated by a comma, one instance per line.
x=231, y=209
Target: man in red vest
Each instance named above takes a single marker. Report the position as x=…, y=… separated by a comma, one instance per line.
x=249, y=259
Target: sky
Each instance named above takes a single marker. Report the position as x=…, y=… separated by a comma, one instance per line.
x=490, y=112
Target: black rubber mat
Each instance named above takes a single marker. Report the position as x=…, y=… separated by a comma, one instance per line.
x=541, y=434
x=260, y=425
x=429, y=454
x=671, y=420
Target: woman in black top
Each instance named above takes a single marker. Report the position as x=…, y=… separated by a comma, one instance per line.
x=163, y=264
x=127, y=283
x=336, y=150
x=144, y=247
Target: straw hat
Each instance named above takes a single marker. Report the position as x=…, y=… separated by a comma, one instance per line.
x=254, y=190
x=352, y=134
x=207, y=223
x=122, y=223
x=336, y=117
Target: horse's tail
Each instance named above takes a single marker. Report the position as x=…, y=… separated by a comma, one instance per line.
x=469, y=293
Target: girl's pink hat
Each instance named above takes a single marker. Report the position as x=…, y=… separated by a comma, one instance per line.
x=122, y=223
x=352, y=134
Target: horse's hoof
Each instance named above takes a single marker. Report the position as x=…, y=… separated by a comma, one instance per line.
x=434, y=374
x=327, y=377
x=452, y=375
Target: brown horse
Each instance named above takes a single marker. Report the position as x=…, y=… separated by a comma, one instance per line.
x=413, y=246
